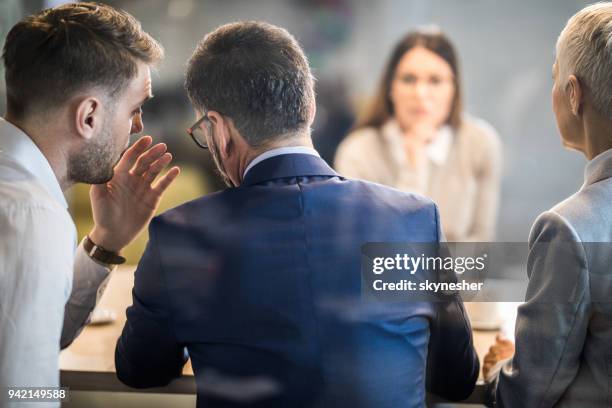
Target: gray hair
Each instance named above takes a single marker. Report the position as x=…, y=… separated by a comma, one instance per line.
x=256, y=74
x=584, y=49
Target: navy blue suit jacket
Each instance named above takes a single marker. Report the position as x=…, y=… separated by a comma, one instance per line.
x=261, y=285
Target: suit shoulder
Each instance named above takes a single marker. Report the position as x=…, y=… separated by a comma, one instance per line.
x=409, y=201
x=553, y=226
x=188, y=212
x=585, y=212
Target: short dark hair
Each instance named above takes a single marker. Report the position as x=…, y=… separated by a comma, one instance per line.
x=52, y=55
x=434, y=40
x=257, y=75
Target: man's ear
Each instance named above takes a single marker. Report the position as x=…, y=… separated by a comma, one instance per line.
x=221, y=129
x=88, y=116
x=575, y=94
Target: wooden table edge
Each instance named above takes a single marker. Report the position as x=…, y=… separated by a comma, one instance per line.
x=108, y=381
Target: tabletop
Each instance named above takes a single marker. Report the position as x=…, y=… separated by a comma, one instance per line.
x=89, y=364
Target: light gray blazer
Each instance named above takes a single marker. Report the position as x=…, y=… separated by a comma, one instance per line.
x=564, y=330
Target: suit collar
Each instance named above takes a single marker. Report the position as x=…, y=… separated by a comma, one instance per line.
x=288, y=165
x=277, y=152
x=599, y=168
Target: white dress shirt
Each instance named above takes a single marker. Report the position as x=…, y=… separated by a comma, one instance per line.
x=47, y=292
x=279, y=151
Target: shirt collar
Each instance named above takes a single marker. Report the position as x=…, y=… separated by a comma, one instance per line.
x=437, y=150
x=277, y=152
x=598, y=168
x=17, y=145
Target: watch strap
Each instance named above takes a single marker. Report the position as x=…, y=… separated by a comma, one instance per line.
x=101, y=255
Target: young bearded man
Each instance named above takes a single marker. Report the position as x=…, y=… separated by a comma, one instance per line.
x=76, y=79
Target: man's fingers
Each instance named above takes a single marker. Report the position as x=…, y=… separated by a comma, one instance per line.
x=163, y=183
x=156, y=167
x=131, y=154
x=145, y=160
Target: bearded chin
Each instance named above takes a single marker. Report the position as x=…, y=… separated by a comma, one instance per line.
x=94, y=163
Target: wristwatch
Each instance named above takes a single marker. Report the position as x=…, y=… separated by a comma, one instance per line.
x=101, y=255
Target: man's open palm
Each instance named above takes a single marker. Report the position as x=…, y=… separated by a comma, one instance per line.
x=124, y=206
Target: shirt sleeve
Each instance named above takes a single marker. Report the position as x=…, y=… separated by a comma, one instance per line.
x=148, y=354
x=552, y=324
x=36, y=261
x=452, y=362
x=89, y=281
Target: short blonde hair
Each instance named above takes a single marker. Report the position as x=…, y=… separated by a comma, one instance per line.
x=584, y=49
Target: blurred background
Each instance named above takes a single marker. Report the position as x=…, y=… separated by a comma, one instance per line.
x=506, y=50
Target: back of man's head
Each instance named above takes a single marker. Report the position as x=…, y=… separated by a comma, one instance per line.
x=51, y=56
x=257, y=75
x=584, y=49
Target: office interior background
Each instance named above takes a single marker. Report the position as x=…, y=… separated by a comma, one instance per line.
x=506, y=51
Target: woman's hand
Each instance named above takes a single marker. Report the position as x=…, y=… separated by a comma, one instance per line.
x=502, y=349
x=415, y=141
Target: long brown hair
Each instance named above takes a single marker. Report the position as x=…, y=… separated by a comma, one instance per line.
x=381, y=108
